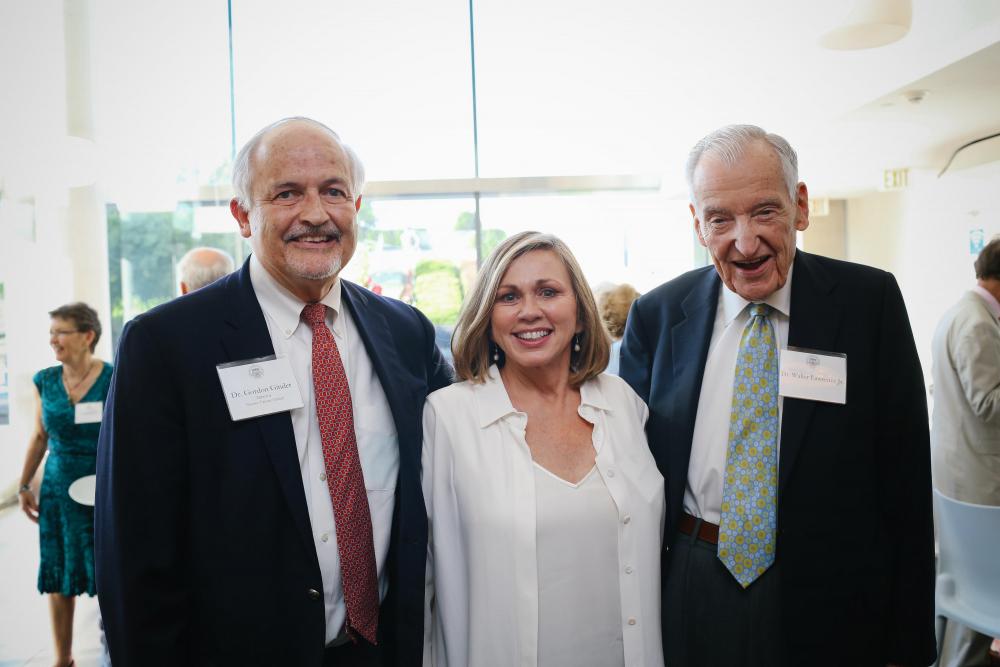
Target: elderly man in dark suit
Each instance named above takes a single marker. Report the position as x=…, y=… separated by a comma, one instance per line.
x=787, y=414
x=259, y=495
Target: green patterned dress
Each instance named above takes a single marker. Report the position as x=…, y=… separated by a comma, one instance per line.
x=66, y=528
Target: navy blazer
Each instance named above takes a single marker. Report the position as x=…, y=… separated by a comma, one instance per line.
x=204, y=550
x=855, y=544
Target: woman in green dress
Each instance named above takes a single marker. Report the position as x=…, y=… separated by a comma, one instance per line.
x=70, y=403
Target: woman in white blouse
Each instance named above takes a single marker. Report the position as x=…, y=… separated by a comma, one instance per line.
x=546, y=508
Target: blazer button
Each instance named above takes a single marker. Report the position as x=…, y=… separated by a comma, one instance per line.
x=313, y=594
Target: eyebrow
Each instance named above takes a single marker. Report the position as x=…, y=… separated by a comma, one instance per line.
x=538, y=283
x=336, y=180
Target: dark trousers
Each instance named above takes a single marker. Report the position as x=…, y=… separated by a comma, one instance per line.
x=350, y=654
x=709, y=620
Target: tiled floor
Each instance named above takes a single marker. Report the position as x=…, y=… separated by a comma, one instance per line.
x=25, y=635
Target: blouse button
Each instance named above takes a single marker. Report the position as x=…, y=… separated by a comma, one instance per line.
x=322, y=477
x=628, y=569
x=631, y=621
x=627, y=520
x=611, y=472
x=325, y=537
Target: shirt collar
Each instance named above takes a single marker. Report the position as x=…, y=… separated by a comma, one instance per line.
x=281, y=305
x=494, y=403
x=781, y=300
x=991, y=301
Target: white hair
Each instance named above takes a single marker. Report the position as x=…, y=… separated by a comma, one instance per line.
x=728, y=143
x=242, y=168
x=201, y=266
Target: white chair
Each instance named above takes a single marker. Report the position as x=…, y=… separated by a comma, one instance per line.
x=968, y=578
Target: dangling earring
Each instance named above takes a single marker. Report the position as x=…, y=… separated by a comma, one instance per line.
x=496, y=354
x=576, y=342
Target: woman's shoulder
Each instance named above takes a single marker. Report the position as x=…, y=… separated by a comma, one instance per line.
x=617, y=391
x=456, y=394
x=47, y=375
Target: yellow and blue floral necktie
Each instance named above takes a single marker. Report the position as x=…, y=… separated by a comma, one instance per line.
x=749, y=503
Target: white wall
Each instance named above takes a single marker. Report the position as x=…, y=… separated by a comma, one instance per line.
x=921, y=234
x=52, y=237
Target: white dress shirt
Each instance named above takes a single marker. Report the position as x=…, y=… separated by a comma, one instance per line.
x=480, y=490
x=374, y=429
x=710, y=442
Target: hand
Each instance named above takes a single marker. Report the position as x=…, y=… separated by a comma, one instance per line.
x=29, y=505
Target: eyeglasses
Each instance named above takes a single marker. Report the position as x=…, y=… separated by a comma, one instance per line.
x=63, y=332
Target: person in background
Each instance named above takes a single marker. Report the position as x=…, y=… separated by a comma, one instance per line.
x=70, y=402
x=202, y=266
x=258, y=482
x=965, y=431
x=613, y=304
x=544, y=503
x=799, y=524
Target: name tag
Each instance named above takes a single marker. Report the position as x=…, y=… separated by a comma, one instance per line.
x=88, y=413
x=257, y=387
x=812, y=375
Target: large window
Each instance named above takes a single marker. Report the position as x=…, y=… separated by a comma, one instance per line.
x=454, y=153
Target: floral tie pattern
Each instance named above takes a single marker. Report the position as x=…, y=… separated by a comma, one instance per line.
x=749, y=503
x=344, y=478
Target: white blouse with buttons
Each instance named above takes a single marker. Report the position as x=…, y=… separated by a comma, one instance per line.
x=482, y=500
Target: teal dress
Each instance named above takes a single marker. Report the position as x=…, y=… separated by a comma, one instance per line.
x=66, y=528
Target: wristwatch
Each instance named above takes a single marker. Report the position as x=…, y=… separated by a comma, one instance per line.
x=24, y=487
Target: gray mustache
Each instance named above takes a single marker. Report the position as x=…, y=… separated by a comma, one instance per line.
x=323, y=230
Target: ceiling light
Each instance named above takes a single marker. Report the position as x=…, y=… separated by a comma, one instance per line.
x=871, y=23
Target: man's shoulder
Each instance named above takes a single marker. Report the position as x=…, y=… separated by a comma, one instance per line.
x=195, y=311
x=394, y=309
x=842, y=270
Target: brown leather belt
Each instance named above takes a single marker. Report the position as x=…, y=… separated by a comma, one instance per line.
x=707, y=532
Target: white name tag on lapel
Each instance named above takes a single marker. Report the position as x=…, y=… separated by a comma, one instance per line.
x=257, y=387
x=813, y=375
x=88, y=413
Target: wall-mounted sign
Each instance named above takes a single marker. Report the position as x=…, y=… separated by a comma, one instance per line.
x=895, y=179
x=977, y=239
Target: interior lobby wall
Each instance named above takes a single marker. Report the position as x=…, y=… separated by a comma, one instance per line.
x=51, y=235
x=923, y=235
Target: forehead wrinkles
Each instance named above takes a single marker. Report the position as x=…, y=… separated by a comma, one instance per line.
x=289, y=152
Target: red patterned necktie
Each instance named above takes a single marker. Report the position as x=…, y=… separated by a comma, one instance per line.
x=344, y=478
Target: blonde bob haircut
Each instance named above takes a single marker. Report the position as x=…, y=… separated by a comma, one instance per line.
x=472, y=340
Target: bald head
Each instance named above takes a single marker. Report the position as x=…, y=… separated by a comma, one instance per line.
x=250, y=156
x=201, y=266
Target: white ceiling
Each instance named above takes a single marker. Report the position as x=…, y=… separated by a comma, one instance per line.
x=857, y=120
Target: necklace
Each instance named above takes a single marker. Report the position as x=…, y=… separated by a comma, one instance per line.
x=69, y=389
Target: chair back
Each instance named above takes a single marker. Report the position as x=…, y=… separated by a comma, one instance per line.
x=969, y=560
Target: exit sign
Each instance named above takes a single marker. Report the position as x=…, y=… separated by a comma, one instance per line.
x=895, y=179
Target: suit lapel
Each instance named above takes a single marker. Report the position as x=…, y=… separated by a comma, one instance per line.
x=374, y=331
x=814, y=322
x=248, y=338
x=689, y=341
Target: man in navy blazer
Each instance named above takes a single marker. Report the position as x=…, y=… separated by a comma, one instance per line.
x=216, y=540
x=851, y=580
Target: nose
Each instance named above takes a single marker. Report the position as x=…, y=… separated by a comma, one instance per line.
x=529, y=308
x=747, y=241
x=313, y=212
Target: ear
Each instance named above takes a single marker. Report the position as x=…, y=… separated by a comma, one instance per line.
x=242, y=217
x=697, y=225
x=357, y=204
x=802, y=206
